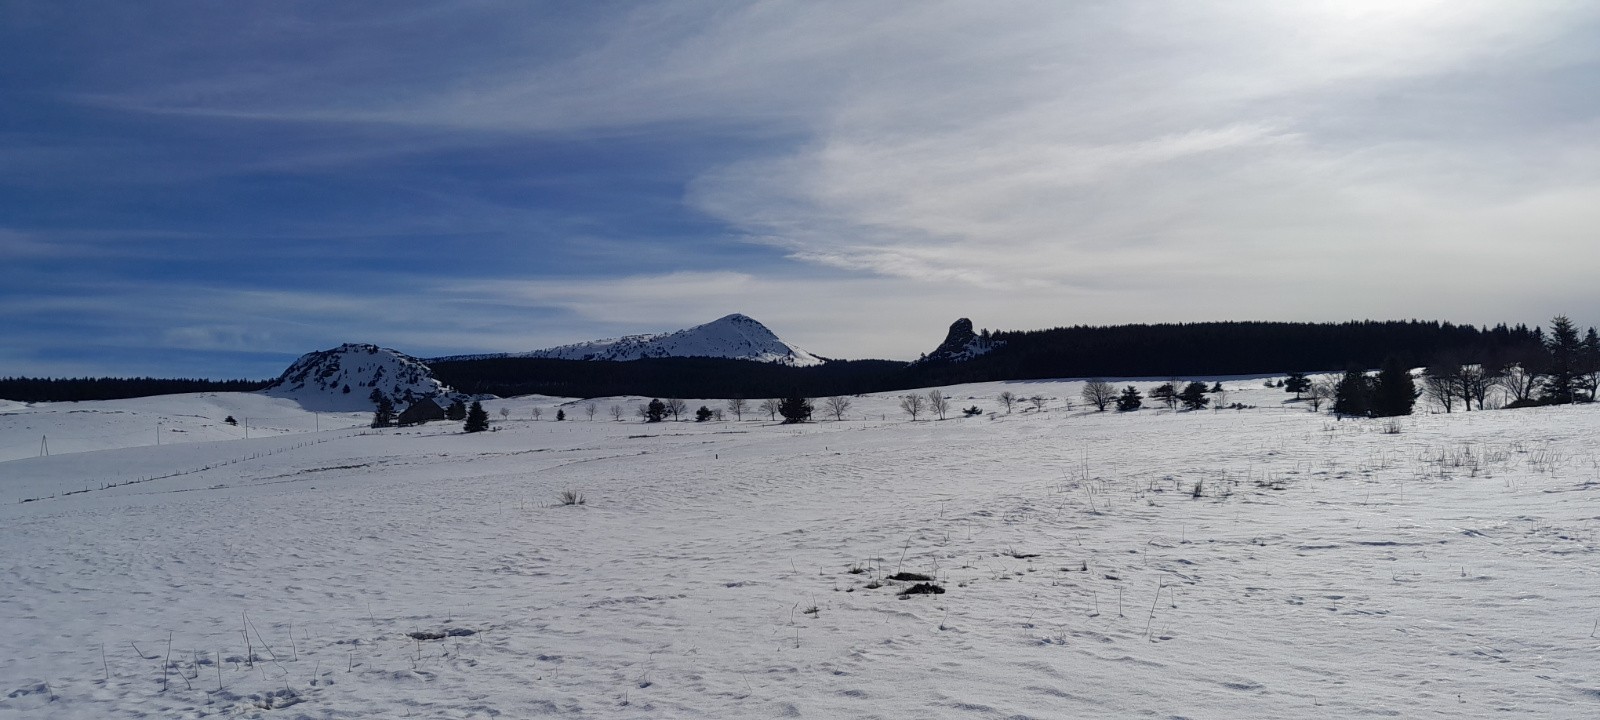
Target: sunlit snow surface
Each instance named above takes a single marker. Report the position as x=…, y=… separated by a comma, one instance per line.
x=1325, y=569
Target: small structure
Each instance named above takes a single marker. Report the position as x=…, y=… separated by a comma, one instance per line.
x=420, y=412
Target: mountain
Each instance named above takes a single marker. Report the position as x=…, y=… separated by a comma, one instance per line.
x=961, y=343
x=735, y=337
x=344, y=377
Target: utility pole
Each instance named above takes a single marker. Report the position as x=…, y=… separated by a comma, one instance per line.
x=158, y=433
x=247, y=428
x=317, y=418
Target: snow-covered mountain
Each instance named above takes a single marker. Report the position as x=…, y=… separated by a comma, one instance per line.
x=961, y=343
x=344, y=377
x=736, y=336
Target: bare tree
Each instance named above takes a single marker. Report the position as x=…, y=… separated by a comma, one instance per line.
x=538, y=412
x=676, y=407
x=837, y=406
x=938, y=403
x=1037, y=401
x=737, y=406
x=1521, y=380
x=616, y=413
x=1322, y=390
x=1099, y=393
x=643, y=411
x=770, y=406
x=1475, y=381
x=590, y=409
x=1441, y=382
x=1468, y=380
x=912, y=404
x=1007, y=399
x=1219, y=398
x=505, y=413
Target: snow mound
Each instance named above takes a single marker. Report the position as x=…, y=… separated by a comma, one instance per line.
x=736, y=337
x=344, y=377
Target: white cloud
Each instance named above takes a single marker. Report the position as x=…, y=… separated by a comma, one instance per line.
x=1027, y=164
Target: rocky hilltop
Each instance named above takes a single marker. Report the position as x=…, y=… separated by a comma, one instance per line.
x=962, y=343
x=344, y=377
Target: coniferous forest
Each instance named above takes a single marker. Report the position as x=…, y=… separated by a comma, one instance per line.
x=1161, y=350
x=26, y=389
x=1169, y=350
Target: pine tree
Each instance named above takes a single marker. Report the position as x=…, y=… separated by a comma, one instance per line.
x=1296, y=383
x=655, y=411
x=1194, y=396
x=456, y=411
x=795, y=410
x=1394, y=393
x=560, y=414
x=1130, y=399
x=477, y=419
x=703, y=414
x=1166, y=393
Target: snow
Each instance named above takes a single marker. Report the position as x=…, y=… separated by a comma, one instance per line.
x=344, y=377
x=735, y=336
x=1326, y=569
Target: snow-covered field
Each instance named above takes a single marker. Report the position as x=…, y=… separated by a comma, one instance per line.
x=1262, y=563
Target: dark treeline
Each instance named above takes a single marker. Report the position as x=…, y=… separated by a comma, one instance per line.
x=1217, y=348
x=1166, y=350
x=25, y=389
x=665, y=377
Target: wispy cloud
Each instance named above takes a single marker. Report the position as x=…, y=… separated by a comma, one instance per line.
x=857, y=175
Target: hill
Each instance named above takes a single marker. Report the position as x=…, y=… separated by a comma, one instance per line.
x=733, y=337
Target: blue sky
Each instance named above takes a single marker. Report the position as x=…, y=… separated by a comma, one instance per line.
x=211, y=189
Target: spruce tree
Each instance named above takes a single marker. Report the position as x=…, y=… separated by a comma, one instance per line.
x=1394, y=393
x=795, y=409
x=1130, y=399
x=456, y=411
x=477, y=419
x=655, y=411
x=1352, y=396
x=703, y=414
x=384, y=416
x=560, y=415
x=1565, y=353
x=1588, y=365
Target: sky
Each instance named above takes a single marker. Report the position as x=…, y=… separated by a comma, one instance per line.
x=205, y=189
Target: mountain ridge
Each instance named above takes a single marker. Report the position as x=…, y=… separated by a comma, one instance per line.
x=734, y=337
